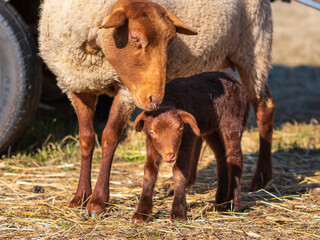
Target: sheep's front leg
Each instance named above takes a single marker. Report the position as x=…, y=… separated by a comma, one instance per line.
x=84, y=105
x=264, y=109
x=121, y=109
x=151, y=169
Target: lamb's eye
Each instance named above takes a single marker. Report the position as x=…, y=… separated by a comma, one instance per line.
x=180, y=130
x=152, y=133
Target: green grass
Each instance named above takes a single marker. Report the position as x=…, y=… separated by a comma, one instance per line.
x=133, y=147
x=47, y=128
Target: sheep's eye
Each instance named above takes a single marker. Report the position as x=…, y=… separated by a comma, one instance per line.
x=180, y=130
x=152, y=133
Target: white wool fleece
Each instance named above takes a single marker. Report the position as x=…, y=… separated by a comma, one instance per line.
x=238, y=29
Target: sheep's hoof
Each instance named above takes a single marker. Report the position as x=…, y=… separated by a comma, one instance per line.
x=79, y=199
x=76, y=202
x=95, y=207
x=92, y=215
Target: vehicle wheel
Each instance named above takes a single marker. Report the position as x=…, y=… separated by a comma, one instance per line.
x=20, y=76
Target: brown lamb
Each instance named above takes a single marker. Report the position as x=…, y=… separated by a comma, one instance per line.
x=215, y=106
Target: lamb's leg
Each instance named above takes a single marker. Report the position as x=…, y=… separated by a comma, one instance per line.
x=151, y=169
x=179, y=205
x=193, y=168
x=216, y=144
x=232, y=143
x=121, y=109
x=84, y=105
x=180, y=178
x=196, y=150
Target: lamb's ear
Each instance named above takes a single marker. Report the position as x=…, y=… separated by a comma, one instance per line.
x=189, y=119
x=139, y=122
x=116, y=19
x=180, y=26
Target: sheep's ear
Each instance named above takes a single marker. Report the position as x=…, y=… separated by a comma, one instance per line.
x=116, y=19
x=189, y=119
x=139, y=122
x=180, y=26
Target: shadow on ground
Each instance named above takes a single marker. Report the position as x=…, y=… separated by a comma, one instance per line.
x=295, y=172
x=295, y=91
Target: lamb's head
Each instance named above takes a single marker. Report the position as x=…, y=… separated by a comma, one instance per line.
x=164, y=128
x=135, y=40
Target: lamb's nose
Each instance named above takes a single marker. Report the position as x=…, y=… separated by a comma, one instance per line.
x=170, y=157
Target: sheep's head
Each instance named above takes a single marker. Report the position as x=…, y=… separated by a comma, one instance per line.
x=164, y=127
x=135, y=40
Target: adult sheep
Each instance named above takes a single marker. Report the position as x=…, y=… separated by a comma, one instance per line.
x=127, y=49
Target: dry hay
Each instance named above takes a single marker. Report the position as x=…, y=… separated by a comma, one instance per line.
x=289, y=208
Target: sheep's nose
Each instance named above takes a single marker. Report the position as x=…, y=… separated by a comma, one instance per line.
x=170, y=157
x=155, y=103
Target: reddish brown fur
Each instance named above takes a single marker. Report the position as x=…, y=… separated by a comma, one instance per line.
x=219, y=104
x=138, y=65
x=137, y=49
x=142, y=70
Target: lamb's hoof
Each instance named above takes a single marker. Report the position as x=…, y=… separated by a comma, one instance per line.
x=222, y=207
x=256, y=185
x=170, y=192
x=139, y=218
x=178, y=217
x=137, y=221
x=259, y=181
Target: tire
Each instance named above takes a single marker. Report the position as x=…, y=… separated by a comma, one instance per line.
x=20, y=76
